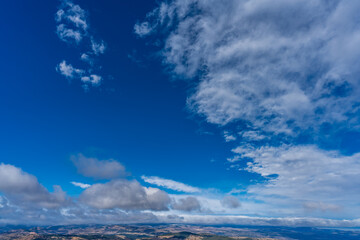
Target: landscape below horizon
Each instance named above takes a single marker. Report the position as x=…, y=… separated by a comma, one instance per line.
x=174, y=232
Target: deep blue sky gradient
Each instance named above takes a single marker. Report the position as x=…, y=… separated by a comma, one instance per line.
x=137, y=116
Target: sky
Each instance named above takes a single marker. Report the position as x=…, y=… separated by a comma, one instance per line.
x=196, y=111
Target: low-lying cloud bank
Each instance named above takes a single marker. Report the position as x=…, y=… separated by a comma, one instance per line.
x=24, y=200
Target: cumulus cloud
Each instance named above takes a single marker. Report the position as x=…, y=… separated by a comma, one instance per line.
x=24, y=189
x=170, y=184
x=187, y=204
x=126, y=195
x=230, y=202
x=98, y=169
x=73, y=28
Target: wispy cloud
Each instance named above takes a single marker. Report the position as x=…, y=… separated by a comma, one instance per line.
x=72, y=28
x=171, y=184
x=276, y=77
x=72, y=22
x=68, y=70
x=229, y=137
x=142, y=29
x=93, y=79
x=327, y=179
x=98, y=47
x=81, y=185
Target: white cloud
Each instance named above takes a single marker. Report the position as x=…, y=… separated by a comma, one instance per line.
x=274, y=70
x=68, y=70
x=305, y=176
x=228, y=137
x=81, y=185
x=94, y=79
x=252, y=135
x=98, y=47
x=24, y=189
x=71, y=72
x=126, y=195
x=73, y=27
x=86, y=58
x=65, y=33
x=98, y=169
x=170, y=184
x=142, y=29
x=233, y=159
x=25, y=200
x=279, y=67
x=72, y=22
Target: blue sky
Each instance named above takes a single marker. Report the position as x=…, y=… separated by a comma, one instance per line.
x=180, y=111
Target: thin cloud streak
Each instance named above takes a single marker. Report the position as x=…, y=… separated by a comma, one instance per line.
x=171, y=184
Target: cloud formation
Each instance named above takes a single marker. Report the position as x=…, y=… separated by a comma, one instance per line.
x=81, y=185
x=72, y=22
x=229, y=137
x=25, y=200
x=98, y=169
x=279, y=67
x=23, y=188
x=327, y=179
x=68, y=70
x=170, y=184
x=187, y=204
x=126, y=195
x=277, y=73
x=230, y=202
x=73, y=28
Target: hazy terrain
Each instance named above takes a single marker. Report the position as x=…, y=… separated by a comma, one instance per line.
x=172, y=232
